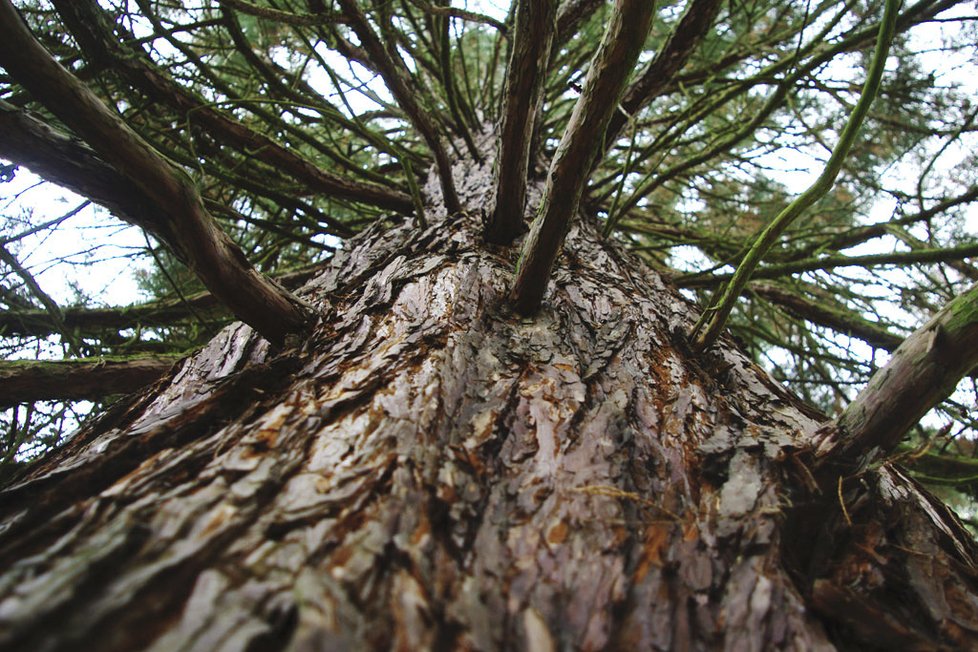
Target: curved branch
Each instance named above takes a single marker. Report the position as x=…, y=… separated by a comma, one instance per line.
x=70, y=163
x=713, y=319
x=217, y=261
x=462, y=14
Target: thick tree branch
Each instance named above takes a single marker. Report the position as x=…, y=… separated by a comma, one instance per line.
x=38, y=323
x=218, y=262
x=659, y=73
x=72, y=164
x=525, y=80
x=23, y=381
x=614, y=61
x=923, y=371
x=398, y=79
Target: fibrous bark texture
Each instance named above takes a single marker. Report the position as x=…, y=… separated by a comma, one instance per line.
x=428, y=470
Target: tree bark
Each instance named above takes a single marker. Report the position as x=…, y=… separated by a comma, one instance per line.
x=428, y=470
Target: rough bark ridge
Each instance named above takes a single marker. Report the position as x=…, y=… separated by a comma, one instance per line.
x=430, y=471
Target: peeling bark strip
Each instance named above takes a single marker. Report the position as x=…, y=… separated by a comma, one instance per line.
x=569, y=170
x=431, y=472
x=186, y=225
x=525, y=81
x=22, y=381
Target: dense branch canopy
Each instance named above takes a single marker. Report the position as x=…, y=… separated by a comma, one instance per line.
x=270, y=131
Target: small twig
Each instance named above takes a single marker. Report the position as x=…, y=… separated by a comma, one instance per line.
x=842, y=503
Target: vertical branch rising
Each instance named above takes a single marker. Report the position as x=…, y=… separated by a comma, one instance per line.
x=614, y=61
x=527, y=71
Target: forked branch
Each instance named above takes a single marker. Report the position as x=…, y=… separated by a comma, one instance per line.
x=614, y=61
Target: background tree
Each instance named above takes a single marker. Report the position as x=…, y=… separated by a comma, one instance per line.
x=434, y=431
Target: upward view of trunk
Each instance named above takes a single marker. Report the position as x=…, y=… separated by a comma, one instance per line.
x=429, y=470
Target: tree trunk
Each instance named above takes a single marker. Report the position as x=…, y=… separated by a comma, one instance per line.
x=429, y=470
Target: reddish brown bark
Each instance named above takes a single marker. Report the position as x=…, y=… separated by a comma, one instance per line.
x=431, y=471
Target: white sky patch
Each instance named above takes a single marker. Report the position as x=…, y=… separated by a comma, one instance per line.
x=89, y=253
